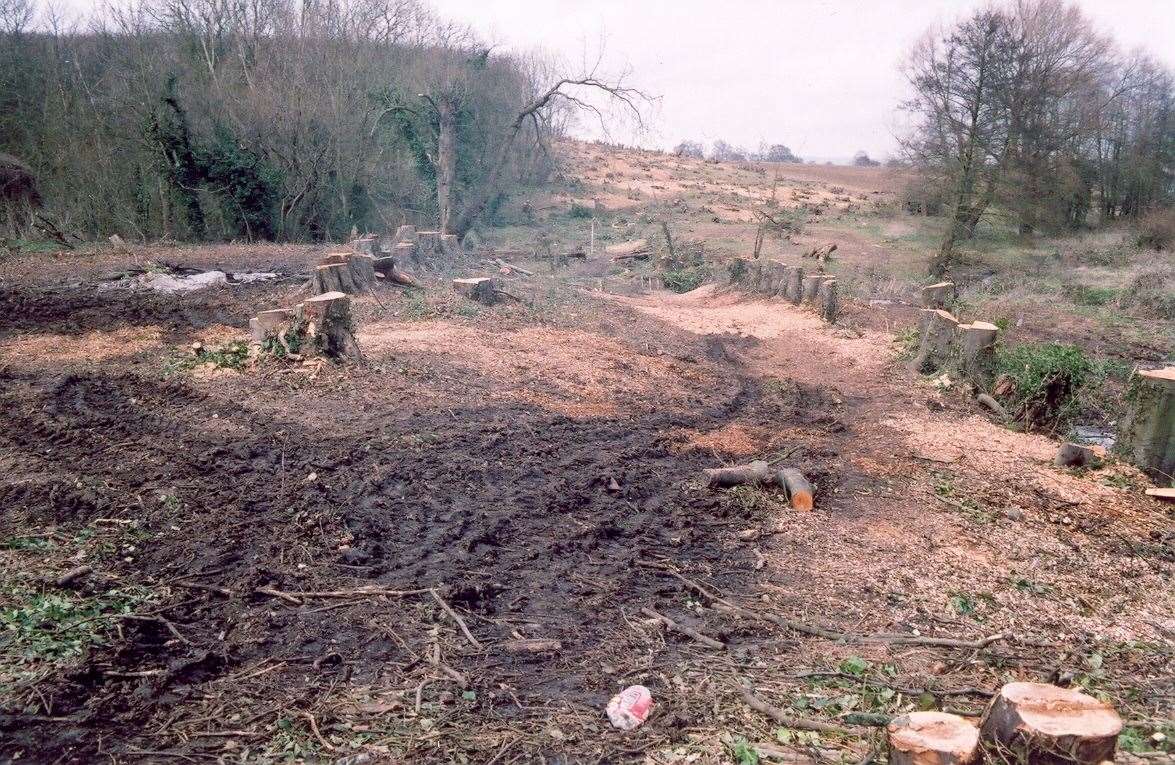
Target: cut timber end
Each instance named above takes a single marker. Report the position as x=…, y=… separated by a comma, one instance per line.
x=1167, y=494
x=270, y=321
x=1147, y=435
x=938, y=338
x=977, y=350
x=484, y=290
x=406, y=251
x=799, y=491
x=1038, y=723
x=932, y=738
x=938, y=295
x=755, y=472
x=328, y=323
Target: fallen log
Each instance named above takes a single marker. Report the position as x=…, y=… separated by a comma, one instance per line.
x=993, y=405
x=755, y=472
x=683, y=629
x=513, y=267
x=932, y=738
x=385, y=268
x=940, y=295
x=788, y=721
x=937, y=343
x=637, y=248
x=1147, y=436
x=799, y=492
x=1039, y=723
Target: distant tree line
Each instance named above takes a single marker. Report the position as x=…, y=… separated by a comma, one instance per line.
x=724, y=152
x=269, y=119
x=1025, y=110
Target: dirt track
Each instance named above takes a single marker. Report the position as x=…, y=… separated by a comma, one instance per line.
x=475, y=456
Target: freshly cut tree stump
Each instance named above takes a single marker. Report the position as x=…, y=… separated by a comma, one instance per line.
x=812, y=287
x=932, y=738
x=755, y=472
x=1076, y=455
x=484, y=290
x=406, y=234
x=267, y=323
x=334, y=277
x=362, y=268
x=795, y=285
x=406, y=252
x=367, y=245
x=1147, y=435
x=428, y=243
x=827, y=301
x=449, y=245
x=977, y=349
x=799, y=491
x=1046, y=725
x=328, y=324
x=937, y=343
x=939, y=295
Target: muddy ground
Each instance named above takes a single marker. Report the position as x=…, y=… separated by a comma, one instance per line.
x=276, y=550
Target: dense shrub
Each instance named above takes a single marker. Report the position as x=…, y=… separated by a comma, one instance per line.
x=1043, y=383
x=1156, y=229
x=685, y=279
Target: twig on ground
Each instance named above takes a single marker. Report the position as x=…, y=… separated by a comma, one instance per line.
x=457, y=618
x=795, y=723
x=908, y=691
x=706, y=641
x=317, y=733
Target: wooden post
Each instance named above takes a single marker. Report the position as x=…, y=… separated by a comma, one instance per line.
x=932, y=738
x=938, y=338
x=940, y=295
x=1038, y=723
x=1147, y=435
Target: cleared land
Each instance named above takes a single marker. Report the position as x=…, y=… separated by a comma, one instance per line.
x=263, y=540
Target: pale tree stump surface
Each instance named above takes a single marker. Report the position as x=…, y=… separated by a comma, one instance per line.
x=937, y=343
x=977, y=350
x=485, y=290
x=812, y=288
x=932, y=738
x=327, y=319
x=1046, y=725
x=1147, y=435
x=406, y=234
x=940, y=295
x=268, y=322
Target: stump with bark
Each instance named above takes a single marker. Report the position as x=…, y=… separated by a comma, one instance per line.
x=936, y=346
x=428, y=243
x=812, y=288
x=828, y=304
x=267, y=323
x=1038, y=723
x=332, y=277
x=753, y=473
x=795, y=285
x=484, y=290
x=1147, y=435
x=977, y=350
x=406, y=234
x=327, y=319
x=940, y=295
x=932, y=738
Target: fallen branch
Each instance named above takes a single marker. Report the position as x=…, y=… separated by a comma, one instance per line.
x=689, y=631
x=457, y=618
x=795, y=723
x=295, y=598
x=813, y=630
x=530, y=645
x=513, y=267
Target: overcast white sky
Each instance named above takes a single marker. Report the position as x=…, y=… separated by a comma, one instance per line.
x=818, y=75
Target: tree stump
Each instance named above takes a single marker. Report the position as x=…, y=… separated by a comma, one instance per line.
x=406, y=252
x=795, y=285
x=367, y=245
x=406, y=234
x=938, y=339
x=812, y=288
x=827, y=300
x=932, y=738
x=977, y=350
x=267, y=323
x=1046, y=725
x=1076, y=455
x=327, y=319
x=1147, y=436
x=450, y=246
x=940, y=295
x=484, y=290
x=428, y=243
x=334, y=277
x=362, y=268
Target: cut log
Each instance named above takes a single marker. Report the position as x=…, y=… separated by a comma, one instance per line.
x=932, y=738
x=1038, y=723
x=795, y=285
x=799, y=492
x=327, y=318
x=638, y=248
x=940, y=295
x=484, y=290
x=335, y=277
x=267, y=323
x=977, y=350
x=1166, y=494
x=827, y=300
x=512, y=267
x=1076, y=455
x=1147, y=436
x=755, y=472
x=938, y=339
